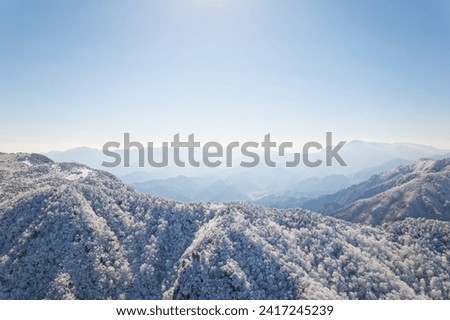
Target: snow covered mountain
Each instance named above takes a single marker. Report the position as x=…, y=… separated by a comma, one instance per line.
x=68, y=231
x=420, y=189
x=295, y=195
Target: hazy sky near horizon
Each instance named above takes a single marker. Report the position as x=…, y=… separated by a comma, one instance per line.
x=81, y=73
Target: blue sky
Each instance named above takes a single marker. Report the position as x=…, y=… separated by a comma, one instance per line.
x=81, y=73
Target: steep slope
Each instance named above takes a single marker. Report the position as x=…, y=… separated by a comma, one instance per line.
x=420, y=189
x=294, y=196
x=67, y=231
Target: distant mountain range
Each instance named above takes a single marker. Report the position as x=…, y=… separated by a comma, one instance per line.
x=68, y=231
x=420, y=189
x=275, y=187
x=359, y=155
x=186, y=189
x=294, y=196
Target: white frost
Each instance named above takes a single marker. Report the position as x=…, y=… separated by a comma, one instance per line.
x=79, y=174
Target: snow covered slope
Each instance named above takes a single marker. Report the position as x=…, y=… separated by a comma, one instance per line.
x=420, y=189
x=67, y=231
